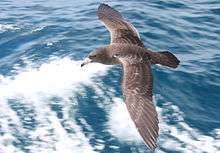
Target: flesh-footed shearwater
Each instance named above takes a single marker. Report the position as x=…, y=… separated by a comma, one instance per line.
x=127, y=49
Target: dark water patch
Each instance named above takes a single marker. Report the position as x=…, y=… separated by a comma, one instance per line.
x=25, y=113
x=56, y=106
x=215, y=11
x=170, y=4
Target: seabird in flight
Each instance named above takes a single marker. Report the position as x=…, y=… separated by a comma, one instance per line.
x=127, y=49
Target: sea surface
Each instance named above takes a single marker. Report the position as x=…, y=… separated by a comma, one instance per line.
x=49, y=104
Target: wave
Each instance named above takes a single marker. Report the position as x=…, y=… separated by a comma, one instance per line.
x=29, y=122
x=178, y=137
x=26, y=98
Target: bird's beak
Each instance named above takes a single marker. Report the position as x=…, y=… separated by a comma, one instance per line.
x=86, y=61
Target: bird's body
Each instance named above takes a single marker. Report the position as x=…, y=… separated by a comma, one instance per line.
x=133, y=52
x=127, y=49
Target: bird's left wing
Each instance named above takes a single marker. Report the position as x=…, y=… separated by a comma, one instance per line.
x=121, y=31
x=137, y=90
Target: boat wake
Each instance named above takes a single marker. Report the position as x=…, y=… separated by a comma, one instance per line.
x=38, y=102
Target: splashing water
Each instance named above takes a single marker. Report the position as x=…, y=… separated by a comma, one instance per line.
x=34, y=89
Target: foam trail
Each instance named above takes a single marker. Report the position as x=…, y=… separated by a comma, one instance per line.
x=179, y=137
x=33, y=88
x=7, y=117
x=120, y=121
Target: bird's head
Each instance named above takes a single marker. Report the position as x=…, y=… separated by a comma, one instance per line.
x=99, y=55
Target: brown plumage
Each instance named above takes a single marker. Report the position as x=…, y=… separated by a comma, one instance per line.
x=127, y=49
x=121, y=31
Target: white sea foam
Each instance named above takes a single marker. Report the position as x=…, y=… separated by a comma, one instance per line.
x=121, y=124
x=50, y=78
x=5, y=27
x=33, y=87
x=38, y=29
x=179, y=137
x=49, y=44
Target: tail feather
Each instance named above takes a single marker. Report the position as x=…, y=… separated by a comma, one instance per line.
x=169, y=59
x=164, y=58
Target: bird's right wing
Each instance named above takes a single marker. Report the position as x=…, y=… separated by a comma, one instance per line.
x=121, y=31
x=137, y=90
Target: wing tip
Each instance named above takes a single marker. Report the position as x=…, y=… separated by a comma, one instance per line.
x=151, y=146
x=151, y=141
x=105, y=9
x=101, y=9
x=103, y=6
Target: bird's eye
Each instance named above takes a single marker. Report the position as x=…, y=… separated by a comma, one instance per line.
x=116, y=55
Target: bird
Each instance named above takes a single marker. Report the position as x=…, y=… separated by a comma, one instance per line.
x=127, y=50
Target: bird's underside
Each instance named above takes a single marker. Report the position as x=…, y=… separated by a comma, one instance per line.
x=137, y=82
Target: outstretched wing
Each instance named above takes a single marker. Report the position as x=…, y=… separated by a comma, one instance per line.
x=120, y=30
x=137, y=90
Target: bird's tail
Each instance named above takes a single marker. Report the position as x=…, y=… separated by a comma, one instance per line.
x=164, y=58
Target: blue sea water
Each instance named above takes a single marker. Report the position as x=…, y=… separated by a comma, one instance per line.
x=49, y=104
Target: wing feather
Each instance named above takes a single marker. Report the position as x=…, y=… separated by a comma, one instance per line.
x=120, y=30
x=139, y=103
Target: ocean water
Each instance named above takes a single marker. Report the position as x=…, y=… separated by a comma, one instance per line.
x=49, y=104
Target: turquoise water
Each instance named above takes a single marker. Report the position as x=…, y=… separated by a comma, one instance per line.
x=48, y=103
